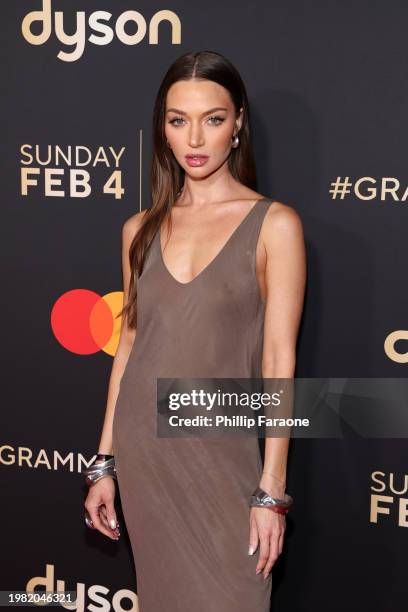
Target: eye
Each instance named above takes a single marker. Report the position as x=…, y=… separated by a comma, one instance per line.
x=216, y=119
x=174, y=121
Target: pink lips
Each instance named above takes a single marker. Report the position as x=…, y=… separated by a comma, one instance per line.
x=196, y=160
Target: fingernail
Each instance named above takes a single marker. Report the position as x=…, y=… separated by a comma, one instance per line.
x=258, y=571
x=265, y=576
x=251, y=550
x=112, y=523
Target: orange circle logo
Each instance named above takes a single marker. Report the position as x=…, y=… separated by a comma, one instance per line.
x=84, y=322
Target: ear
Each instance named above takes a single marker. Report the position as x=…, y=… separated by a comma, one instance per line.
x=239, y=120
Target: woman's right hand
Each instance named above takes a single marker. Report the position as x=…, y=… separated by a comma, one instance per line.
x=100, y=506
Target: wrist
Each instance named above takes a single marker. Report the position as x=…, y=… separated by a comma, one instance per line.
x=272, y=486
x=101, y=457
x=103, y=465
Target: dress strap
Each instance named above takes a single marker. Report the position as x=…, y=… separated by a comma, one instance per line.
x=253, y=227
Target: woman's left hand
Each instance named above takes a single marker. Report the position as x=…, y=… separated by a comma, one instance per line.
x=266, y=528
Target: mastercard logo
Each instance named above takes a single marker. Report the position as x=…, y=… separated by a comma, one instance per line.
x=84, y=322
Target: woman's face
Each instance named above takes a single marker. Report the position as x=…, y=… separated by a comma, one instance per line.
x=200, y=121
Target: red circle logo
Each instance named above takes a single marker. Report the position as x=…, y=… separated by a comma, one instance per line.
x=84, y=322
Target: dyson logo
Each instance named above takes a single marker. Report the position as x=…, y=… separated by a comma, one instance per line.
x=102, y=31
x=95, y=597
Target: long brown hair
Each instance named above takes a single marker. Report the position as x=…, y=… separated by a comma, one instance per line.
x=166, y=176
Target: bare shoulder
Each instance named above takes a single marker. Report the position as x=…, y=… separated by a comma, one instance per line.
x=283, y=217
x=282, y=228
x=132, y=225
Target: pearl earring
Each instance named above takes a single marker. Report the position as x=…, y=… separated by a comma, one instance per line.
x=235, y=141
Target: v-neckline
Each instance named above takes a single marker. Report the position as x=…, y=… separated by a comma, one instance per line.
x=214, y=259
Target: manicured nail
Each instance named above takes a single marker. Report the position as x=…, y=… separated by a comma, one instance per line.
x=251, y=550
x=112, y=523
x=265, y=576
x=258, y=571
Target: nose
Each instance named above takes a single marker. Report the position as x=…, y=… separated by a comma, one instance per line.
x=195, y=136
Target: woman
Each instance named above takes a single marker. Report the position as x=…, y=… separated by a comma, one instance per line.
x=220, y=295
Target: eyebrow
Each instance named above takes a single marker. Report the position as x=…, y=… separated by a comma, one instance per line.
x=212, y=110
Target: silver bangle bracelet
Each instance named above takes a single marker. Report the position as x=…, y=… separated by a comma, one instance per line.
x=96, y=471
x=261, y=499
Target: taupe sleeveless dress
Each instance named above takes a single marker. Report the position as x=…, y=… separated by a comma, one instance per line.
x=185, y=500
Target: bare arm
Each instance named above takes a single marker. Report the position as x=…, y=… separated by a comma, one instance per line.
x=126, y=338
x=285, y=277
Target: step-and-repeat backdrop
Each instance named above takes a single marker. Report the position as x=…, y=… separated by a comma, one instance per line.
x=327, y=85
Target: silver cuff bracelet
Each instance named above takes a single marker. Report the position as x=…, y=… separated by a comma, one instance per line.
x=261, y=499
x=96, y=471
